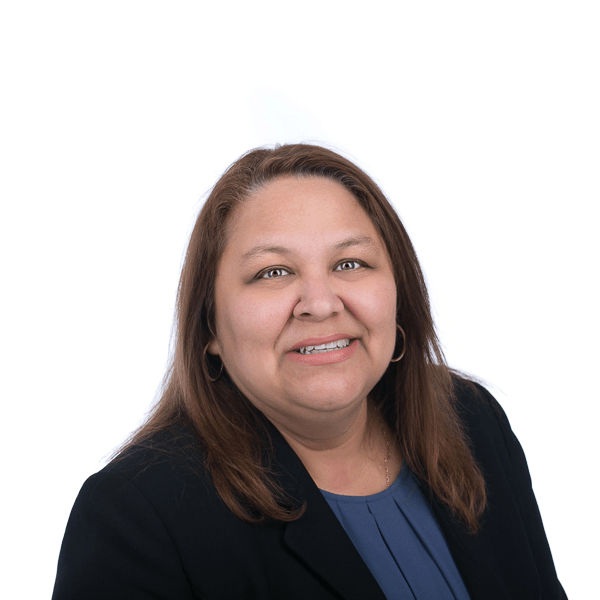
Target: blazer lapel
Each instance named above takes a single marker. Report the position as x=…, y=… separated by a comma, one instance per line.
x=317, y=537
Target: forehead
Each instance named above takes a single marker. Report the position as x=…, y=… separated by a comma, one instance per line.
x=292, y=207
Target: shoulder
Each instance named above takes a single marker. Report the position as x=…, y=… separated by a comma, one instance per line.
x=495, y=447
x=160, y=485
x=501, y=459
x=474, y=402
x=512, y=534
x=155, y=480
x=173, y=453
x=163, y=478
x=493, y=443
x=485, y=422
x=143, y=522
x=118, y=527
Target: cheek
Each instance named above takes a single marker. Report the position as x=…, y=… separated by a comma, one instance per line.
x=375, y=308
x=250, y=323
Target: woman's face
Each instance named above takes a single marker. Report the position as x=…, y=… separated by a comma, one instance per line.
x=304, y=267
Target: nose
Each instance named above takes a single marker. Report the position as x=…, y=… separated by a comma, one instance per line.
x=318, y=300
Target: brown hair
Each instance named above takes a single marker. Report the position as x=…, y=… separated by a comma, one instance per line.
x=414, y=395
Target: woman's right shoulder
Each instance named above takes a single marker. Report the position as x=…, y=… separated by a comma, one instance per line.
x=129, y=528
x=170, y=459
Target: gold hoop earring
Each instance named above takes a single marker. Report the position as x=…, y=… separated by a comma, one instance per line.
x=205, y=364
x=404, y=346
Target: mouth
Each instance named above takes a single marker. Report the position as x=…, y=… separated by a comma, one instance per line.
x=323, y=348
x=321, y=352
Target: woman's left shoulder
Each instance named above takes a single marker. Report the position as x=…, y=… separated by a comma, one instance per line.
x=487, y=428
x=476, y=406
x=511, y=527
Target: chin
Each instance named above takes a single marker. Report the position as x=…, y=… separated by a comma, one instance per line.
x=331, y=398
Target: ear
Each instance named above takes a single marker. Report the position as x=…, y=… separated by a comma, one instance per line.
x=214, y=347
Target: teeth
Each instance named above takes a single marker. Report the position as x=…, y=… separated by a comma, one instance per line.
x=324, y=347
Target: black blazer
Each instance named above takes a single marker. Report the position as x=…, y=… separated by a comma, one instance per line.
x=151, y=526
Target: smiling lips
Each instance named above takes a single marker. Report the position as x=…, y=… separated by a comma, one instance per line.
x=324, y=347
x=327, y=352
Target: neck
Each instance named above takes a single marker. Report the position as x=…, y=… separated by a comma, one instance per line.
x=356, y=457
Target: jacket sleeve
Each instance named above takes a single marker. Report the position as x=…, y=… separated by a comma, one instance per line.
x=117, y=547
x=520, y=481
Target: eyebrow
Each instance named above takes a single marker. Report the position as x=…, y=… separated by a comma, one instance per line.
x=358, y=240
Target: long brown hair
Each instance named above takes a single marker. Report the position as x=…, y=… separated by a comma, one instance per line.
x=414, y=395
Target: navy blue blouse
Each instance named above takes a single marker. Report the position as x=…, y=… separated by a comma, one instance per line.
x=399, y=539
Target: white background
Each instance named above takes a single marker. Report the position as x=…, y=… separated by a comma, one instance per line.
x=479, y=119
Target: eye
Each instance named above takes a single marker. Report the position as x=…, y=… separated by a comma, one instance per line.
x=349, y=265
x=274, y=273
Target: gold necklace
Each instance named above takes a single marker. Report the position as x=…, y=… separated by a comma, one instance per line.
x=388, y=456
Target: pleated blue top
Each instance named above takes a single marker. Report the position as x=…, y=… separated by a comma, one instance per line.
x=400, y=540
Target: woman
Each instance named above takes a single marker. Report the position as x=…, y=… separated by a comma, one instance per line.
x=310, y=441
